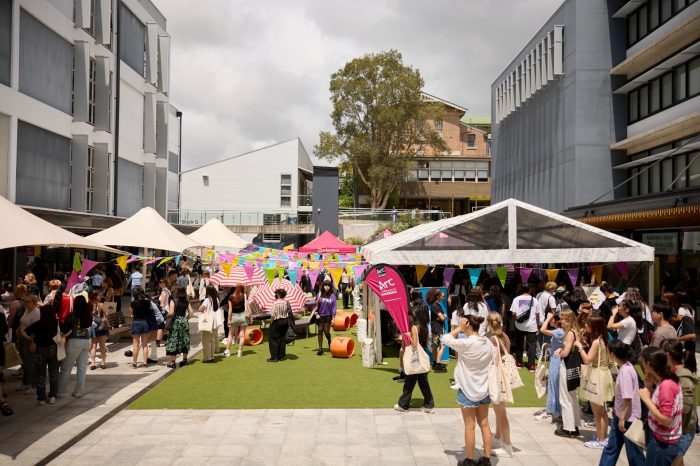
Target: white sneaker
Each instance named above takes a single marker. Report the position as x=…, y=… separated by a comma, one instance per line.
x=240, y=353
x=399, y=408
x=454, y=386
x=543, y=417
x=52, y=400
x=595, y=444
x=589, y=424
x=41, y=403
x=509, y=450
x=227, y=353
x=428, y=410
x=496, y=443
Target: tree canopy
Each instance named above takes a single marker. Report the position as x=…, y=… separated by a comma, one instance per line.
x=381, y=122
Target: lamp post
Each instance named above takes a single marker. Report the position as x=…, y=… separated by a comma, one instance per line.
x=316, y=220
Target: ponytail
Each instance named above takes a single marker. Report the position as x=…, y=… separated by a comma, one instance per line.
x=676, y=351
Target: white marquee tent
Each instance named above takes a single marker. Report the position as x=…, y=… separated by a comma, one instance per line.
x=510, y=232
x=145, y=229
x=26, y=229
x=214, y=233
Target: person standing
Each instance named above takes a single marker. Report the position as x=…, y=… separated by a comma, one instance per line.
x=606, y=307
x=475, y=354
x=30, y=315
x=661, y=315
x=203, y=285
x=631, y=321
x=680, y=360
x=494, y=331
x=77, y=329
x=626, y=410
x=141, y=314
x=327, y=303
x=437, y=327
x=663, y=397
x=548, y=304
x=279, y=322
x=570, y=408
x=237, y=320
x=210, y=305
x=476, y=306
x=418, y=336
x=101, y=326
x=527, y=312
x=345, y=288
x=552, y=410
x=43, y=347
x=179, y=338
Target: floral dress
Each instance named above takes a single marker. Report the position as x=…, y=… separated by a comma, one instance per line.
x=179, y=337
x=553, y=406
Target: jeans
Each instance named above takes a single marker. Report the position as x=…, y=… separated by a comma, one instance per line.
x=28, y=372
x=277, y=332
x=659, y=453
x=531, y=338
x=46, y=356
x=685, y=441
x=77, y=352
x=408, y=386
x=616, y=439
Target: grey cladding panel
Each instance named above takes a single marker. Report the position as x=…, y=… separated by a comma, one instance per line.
x=132, y=39
x=130, y=188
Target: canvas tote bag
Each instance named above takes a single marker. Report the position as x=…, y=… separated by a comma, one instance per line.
x=415, y=361
x=542, y=374
x=596, y=382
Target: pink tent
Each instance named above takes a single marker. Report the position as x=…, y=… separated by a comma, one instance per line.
x=327, y=242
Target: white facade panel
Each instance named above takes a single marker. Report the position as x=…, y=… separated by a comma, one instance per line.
x=131, y=124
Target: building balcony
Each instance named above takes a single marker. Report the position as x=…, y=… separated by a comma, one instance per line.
x=305, y=202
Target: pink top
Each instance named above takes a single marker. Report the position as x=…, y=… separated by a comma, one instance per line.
x=669, y=399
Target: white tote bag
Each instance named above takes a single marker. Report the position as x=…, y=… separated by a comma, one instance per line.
x=415, y=361
x=542, y=375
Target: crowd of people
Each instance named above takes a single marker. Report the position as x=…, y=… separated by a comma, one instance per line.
x=589, y=354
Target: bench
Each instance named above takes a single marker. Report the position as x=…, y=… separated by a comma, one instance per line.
x=116, y=324
x=304, y=323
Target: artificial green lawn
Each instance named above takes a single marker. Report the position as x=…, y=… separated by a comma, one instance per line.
x=304, y=380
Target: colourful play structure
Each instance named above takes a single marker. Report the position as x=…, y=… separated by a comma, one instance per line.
x=253, y=336
x=342, y=347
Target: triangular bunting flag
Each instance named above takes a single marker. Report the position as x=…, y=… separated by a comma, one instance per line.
x=280, y=272
x=313, y=277
x=597, y=274
x=227, y=268
x=336, y=274
x=121, y=261
x=358, y=270
x=420, y=271
x=624, y=269
x=502, y=273
x=270, y=274
x=164, y=260
x=447, y=275
x=474, y=274
x=86, y=267
x=73, y=280
x=77, y=265
x=525, y=274
x=552, y=274
x=573, y=276
x=293, y=275
x=249, y=269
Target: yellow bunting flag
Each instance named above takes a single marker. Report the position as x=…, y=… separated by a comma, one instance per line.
x=227, y=268
x=336, y=274
x=280, y=271
x=270, y=274
x=305, y=264
x=420, y=271
x=210, y=253
x=77, y=263
x=37, y=250
x=552, y=274
x=348, y=268
x=164, y=260
x=597, y=274
x=314, y=265
x=288, y=247
x=121, y=261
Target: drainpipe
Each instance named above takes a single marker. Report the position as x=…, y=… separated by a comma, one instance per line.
x=178, y=114
x=116, y=112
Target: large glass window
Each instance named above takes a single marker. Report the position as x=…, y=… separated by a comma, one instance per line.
x=634, y=105
x=655, y=178
x=643, y=101
x=694, y=77
x=92, y=91
x=90, y=182
x=285, y=190
x=423, y=175
x=694, y=170
x=654, y=14
x=634, y=181
x=650, y=16
x=644, y=180
x=667, y=90
x=681, y=172
x=5, y=40
x=680, y=90
x=655, y=97
x=471, y=140
x=666, y=174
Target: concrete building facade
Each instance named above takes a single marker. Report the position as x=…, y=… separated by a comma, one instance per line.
x=86, y=125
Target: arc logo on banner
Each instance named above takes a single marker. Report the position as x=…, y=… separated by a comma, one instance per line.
x=386, y=284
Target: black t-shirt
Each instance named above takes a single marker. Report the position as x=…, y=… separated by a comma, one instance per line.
x=45, y=328
x=141, y=309
x=687, y=327
x=181, y=308
x=606, y=307
x=438, y=326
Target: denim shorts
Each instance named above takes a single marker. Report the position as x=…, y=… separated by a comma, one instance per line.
x=238, y=319
x=140, y=327
x=467, y=403
x=685, y=441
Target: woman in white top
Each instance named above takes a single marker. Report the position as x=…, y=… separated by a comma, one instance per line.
x=30, y=315
x=627, y=327
x=475, y=356
x=476, y=306
x=210, y=305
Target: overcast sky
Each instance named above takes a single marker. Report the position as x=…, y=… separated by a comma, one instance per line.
x=247, y=74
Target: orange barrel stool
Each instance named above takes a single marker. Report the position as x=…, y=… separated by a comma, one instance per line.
x=353, y=319
x=253, y=336
x=342, y=347
x=341, y=322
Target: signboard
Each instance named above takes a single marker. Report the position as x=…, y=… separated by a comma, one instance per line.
x=663, y=243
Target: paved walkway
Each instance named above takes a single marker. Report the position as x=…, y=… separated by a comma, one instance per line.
x=315, y=437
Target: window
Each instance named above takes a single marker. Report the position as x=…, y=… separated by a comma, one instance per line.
x=679, y=75
x=205, y=180
x=655, y=98
x=634, y=182
x=667, y=90
x=91, y=29
x=90, y=181
x=422, y=175
x=681, y=172
x=482, y=171
x=470, y=175
x=643, y=101
x=694, y=170
x=92, y=91
x=644, y=180
x=666, y=174
x=434, y=175
x=108, y=182
x=446, y=175
x=659, y=175
x=654, y=14
x=438, y=126
x=634, y=106
x=272, y=238
x=471, y=140
x=650, y=16
x=132, y=40
x=682, y=83
x=459, y=175
x=666, y=10
x=5, y=40
x=694, y=77
x=286, y=190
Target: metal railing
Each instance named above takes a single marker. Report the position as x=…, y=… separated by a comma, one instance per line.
x=305, y=200
x=390, y=215
x=238, y=217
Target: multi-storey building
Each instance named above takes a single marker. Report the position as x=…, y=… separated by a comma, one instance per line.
x=87, y=132
x=86, y=126
x=599, y=117
x=458, y=181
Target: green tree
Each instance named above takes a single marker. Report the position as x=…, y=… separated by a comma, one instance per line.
x=381, y=122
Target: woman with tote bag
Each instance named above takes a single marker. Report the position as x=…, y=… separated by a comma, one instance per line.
x=208, y=324
x=414, y=359
x=569, y=377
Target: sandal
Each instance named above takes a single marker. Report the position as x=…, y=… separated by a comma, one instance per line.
x=103, y=366
x=5, y=409
x=93, y=367
x=171, y=365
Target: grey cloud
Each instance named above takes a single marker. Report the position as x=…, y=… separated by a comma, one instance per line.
x=248, y=73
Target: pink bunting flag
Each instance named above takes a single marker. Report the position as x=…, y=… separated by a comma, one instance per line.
x=153, y=260
x=573, y=276
x=88, y=265
x=442, y=235
x=132, y=259
x=525, y=274
x=313, y=276
x=447, y=275
x=249, y=269
x=73, y=280
x=623, y=268
x=358, y=270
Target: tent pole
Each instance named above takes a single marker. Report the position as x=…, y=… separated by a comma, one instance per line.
x=651, y=283
x=144, y=269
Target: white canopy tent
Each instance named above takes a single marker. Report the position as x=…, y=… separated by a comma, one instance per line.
x=214, y=233
x=510, y=232
x=145, y=229
x=26, y=229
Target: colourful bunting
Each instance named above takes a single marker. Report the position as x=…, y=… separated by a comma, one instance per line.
x=121, y=261
x=76, y=262
x=420, y=271
x=270, y=274
x=313, y=276
x=336, y=274
x=573, y=276
x=474, y=274
x=359, y=270
x=86, y=267
x=525, y=274
x=280, y=271
x=552, y=274
x=227, y=268
x=293, y=275
x=73, y=280
x=447, y=275
x=164, y=260
x=502, y=273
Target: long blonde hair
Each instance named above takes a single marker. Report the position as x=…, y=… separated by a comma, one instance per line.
x=570, y=317
x=494, y=322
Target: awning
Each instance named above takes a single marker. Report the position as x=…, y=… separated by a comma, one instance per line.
x=24, y=229
x=216, y=234
x=328, y=242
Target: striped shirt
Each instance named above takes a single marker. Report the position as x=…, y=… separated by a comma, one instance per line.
x=669, y=399
x=279, y=310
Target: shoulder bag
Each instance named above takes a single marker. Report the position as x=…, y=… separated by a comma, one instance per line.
x=12, y=357
x=637, y=434
x=206, y=320
x=522, y=318
x=509, y=367
x=596, y=382
x=573, y=368
x=190, y=288
x=60, y=341
x=415, y=361
x=542, y=374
